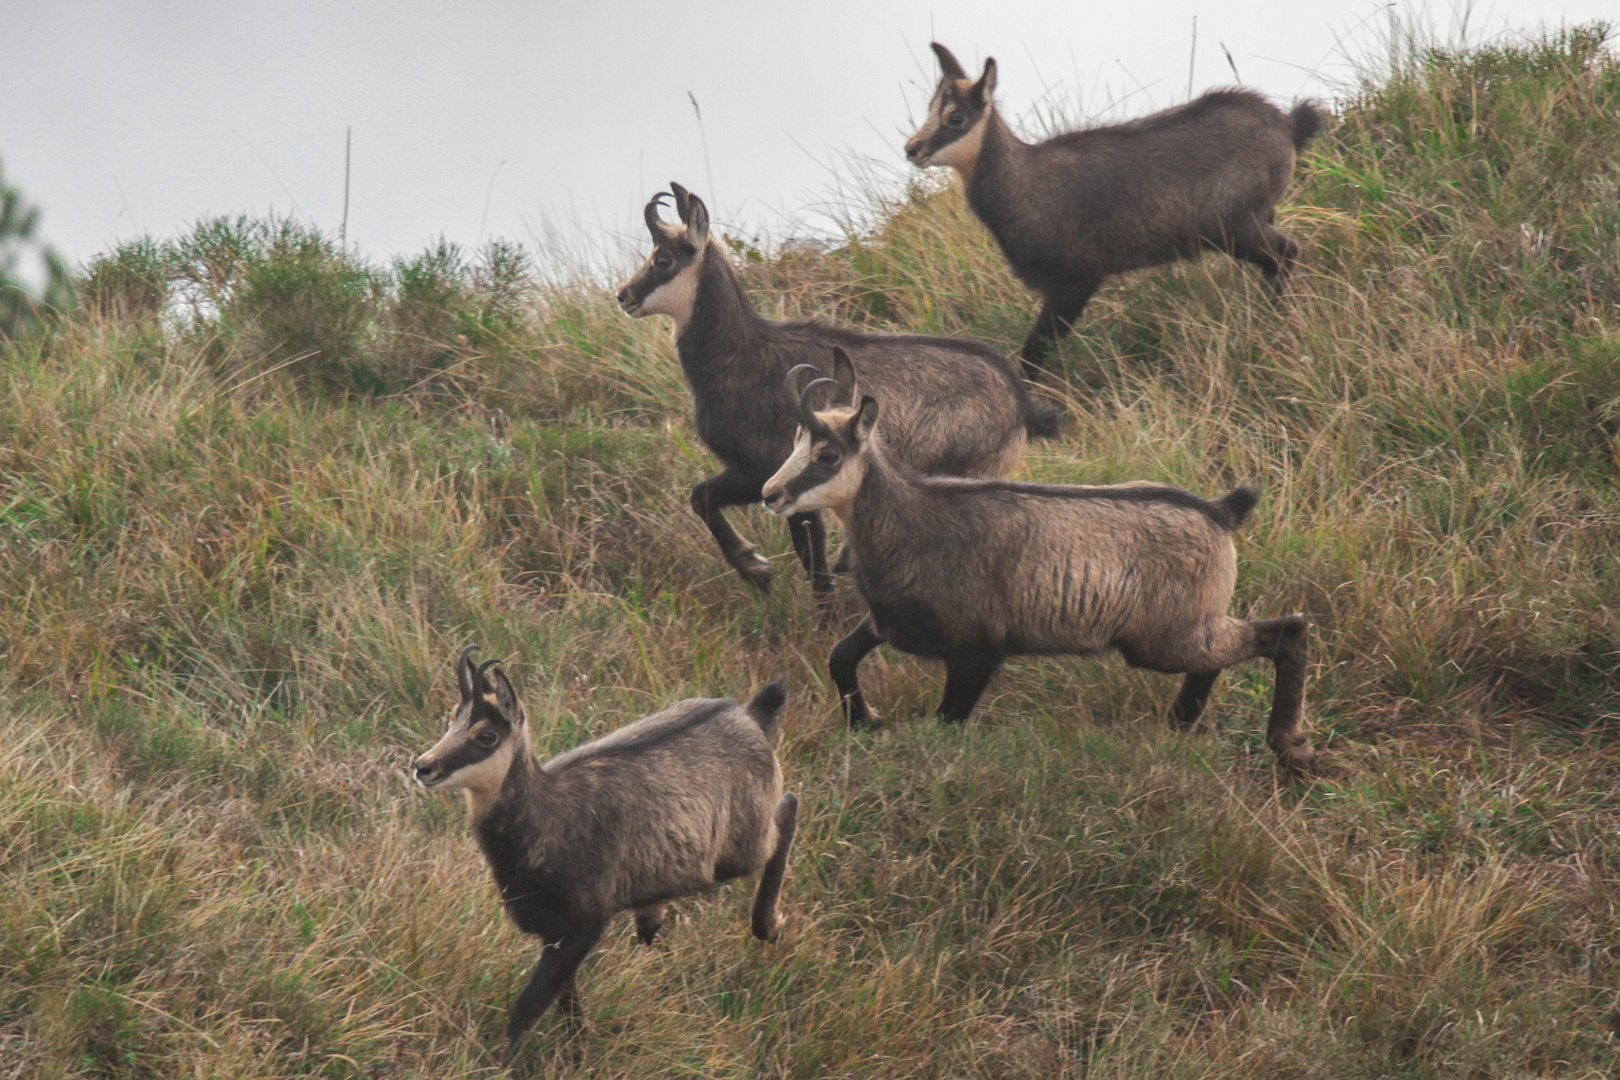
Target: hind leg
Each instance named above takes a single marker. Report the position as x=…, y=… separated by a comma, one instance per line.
x=767, y=923
x=1224, y=641
x=1271, y=251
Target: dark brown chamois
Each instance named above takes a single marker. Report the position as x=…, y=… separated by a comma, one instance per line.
x=1069, y=211
x=669, y=806
x=973, y=571
x=957, y=406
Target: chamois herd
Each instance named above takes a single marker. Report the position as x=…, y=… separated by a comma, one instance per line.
x=907, y=439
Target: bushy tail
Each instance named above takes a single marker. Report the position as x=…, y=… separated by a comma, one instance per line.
x=766, y=705
x=1042, y=419
x=1237, y=504
x=1308, y=117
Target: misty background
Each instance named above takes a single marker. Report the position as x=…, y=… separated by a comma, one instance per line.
x=552, y=123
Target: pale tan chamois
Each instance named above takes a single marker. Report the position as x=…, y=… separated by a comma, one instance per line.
x=956, y=406
x=972, y=571
x=1069, y=211
x=669, y=806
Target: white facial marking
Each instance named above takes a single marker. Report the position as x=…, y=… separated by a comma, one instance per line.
x=792, y=467
x=963, y=154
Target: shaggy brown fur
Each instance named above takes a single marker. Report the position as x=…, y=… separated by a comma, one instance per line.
x=1069, y=211
x=669, y=806
x=972, y=571
x=957, y=407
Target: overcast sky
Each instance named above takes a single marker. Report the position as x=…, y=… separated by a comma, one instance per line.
x=527, y=120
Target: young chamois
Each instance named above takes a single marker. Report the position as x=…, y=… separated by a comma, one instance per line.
x=972, y=571
x=1069, y=211
x=955, y=406
x=669, y=806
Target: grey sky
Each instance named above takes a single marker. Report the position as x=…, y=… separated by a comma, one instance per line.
x=505, y=119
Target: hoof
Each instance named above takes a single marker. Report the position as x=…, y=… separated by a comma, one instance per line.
x=754, y=569
x=646, y=934
x=1298, y=760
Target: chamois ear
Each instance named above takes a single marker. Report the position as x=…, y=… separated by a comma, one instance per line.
x=981, y=91
x=683, y=201
x=506, y=697
x=844, y=376
x=864, y=420
x=697, y=223
x=466, y=677
x=947, y=62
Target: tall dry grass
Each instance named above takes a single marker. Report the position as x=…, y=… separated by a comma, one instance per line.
x=255, y=493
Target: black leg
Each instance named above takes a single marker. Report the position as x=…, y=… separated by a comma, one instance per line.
x=713, y=495
x=766, y=922
x=552, y=976
x=846, y=657
x=648, y=922
x=1284, y=640
x=1194, y=695
x=966, y=676
x=1057, y=317
x=810, y=543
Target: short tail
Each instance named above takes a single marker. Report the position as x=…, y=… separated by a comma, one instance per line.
x=1042, y=419
x=1308, y=117
x=766, y=705
x=1237, y=504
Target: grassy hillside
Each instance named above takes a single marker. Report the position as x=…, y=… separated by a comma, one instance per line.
x=254, y=494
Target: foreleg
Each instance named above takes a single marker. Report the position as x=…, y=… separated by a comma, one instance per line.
x=846, y=657
x=732, y=488
x=553, y=976
x=1062, y=307
x=810, y=543
x=966, y=676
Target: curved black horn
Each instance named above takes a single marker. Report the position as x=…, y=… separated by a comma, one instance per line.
x=807, y=417
x=485, y=666
x=654, y=225
x=793, y=376
x=809, y=386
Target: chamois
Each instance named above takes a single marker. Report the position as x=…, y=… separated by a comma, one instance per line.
x=972, y=571
x=668, y=806
x=956, y=406
x=1069, y=211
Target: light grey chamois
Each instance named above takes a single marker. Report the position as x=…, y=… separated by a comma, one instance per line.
x=972, y=571
x=669, y=806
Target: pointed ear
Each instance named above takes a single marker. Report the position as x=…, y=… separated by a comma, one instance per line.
x=844, y=375
x=465, y=676
x=683, y=200
x=947, y=62
x=506, y=697
x=697, y=224
x=986, y=85
x=864, y=420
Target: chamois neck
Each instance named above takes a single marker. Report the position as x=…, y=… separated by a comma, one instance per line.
x=995, y=165
x=723, y=320
x=521, y=786
x=885, y=491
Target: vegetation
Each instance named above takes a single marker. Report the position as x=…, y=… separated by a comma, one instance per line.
x=20, y=308
x=254, y=494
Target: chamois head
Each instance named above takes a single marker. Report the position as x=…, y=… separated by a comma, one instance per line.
x=666, y=284
x=486, y=730
x=953, y=130
x=827, y=464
